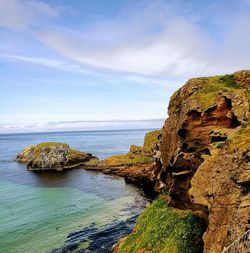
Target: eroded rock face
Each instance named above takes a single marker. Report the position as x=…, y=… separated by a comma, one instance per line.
x=53, y=156
x=222, y=184
x=199, y=173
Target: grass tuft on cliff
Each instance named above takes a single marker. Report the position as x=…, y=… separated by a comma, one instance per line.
x=161, y=229
x=210, y=87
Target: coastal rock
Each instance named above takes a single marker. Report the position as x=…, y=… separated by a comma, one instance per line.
x=202, y=164
x=207, y=134
x=138, y=165
x=54, y=156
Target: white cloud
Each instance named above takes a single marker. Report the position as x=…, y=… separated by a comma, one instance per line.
x=157, y=39
x=154, y=38
x=148, y=54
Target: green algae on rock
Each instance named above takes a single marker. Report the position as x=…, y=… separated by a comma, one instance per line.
x=53, y=156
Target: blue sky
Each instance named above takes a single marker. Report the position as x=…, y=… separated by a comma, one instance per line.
x=111, y=60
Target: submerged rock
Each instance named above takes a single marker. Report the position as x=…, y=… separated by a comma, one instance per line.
x=54, y=156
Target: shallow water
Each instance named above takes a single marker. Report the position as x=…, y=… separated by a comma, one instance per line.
x=39, y=210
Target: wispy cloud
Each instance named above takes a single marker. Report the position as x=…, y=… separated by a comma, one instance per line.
x=49, y=62
x=81, y=125
x=157, y=39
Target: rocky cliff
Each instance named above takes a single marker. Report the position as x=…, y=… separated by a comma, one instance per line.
x=53, y=156
x=202, y=167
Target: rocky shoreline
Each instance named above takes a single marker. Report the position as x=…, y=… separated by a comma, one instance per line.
x=135, y=167
x=199, y=163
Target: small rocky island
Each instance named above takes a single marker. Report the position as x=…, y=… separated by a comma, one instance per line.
x=54, y=156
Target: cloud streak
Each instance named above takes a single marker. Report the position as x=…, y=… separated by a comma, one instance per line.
x=81, y=125
x=156, y=40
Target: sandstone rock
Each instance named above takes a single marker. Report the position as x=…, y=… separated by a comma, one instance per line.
x=203, y=162
x=203, y=135
x=53, y=156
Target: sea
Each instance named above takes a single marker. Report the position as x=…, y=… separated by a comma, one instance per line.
x=71, y=211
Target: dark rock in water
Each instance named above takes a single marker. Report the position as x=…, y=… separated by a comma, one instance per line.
x=98, y=239
x=54, y=156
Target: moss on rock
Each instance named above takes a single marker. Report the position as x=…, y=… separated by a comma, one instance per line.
x=161, y=229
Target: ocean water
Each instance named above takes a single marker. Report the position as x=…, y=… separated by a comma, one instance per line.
x=39, y=210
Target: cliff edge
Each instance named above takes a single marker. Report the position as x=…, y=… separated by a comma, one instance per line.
x=203, y=168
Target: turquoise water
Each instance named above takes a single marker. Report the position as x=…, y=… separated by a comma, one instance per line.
x=38, y=211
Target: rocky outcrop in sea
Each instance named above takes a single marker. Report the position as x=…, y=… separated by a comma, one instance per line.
x=54, y=156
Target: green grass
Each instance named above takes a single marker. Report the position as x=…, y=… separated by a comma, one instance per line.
x=161, y=229
x=212, y=86
x=50, y=144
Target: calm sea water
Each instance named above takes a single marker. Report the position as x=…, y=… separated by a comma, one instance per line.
x=38, y=211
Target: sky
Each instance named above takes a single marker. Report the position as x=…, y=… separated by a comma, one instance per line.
x=89, y=63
